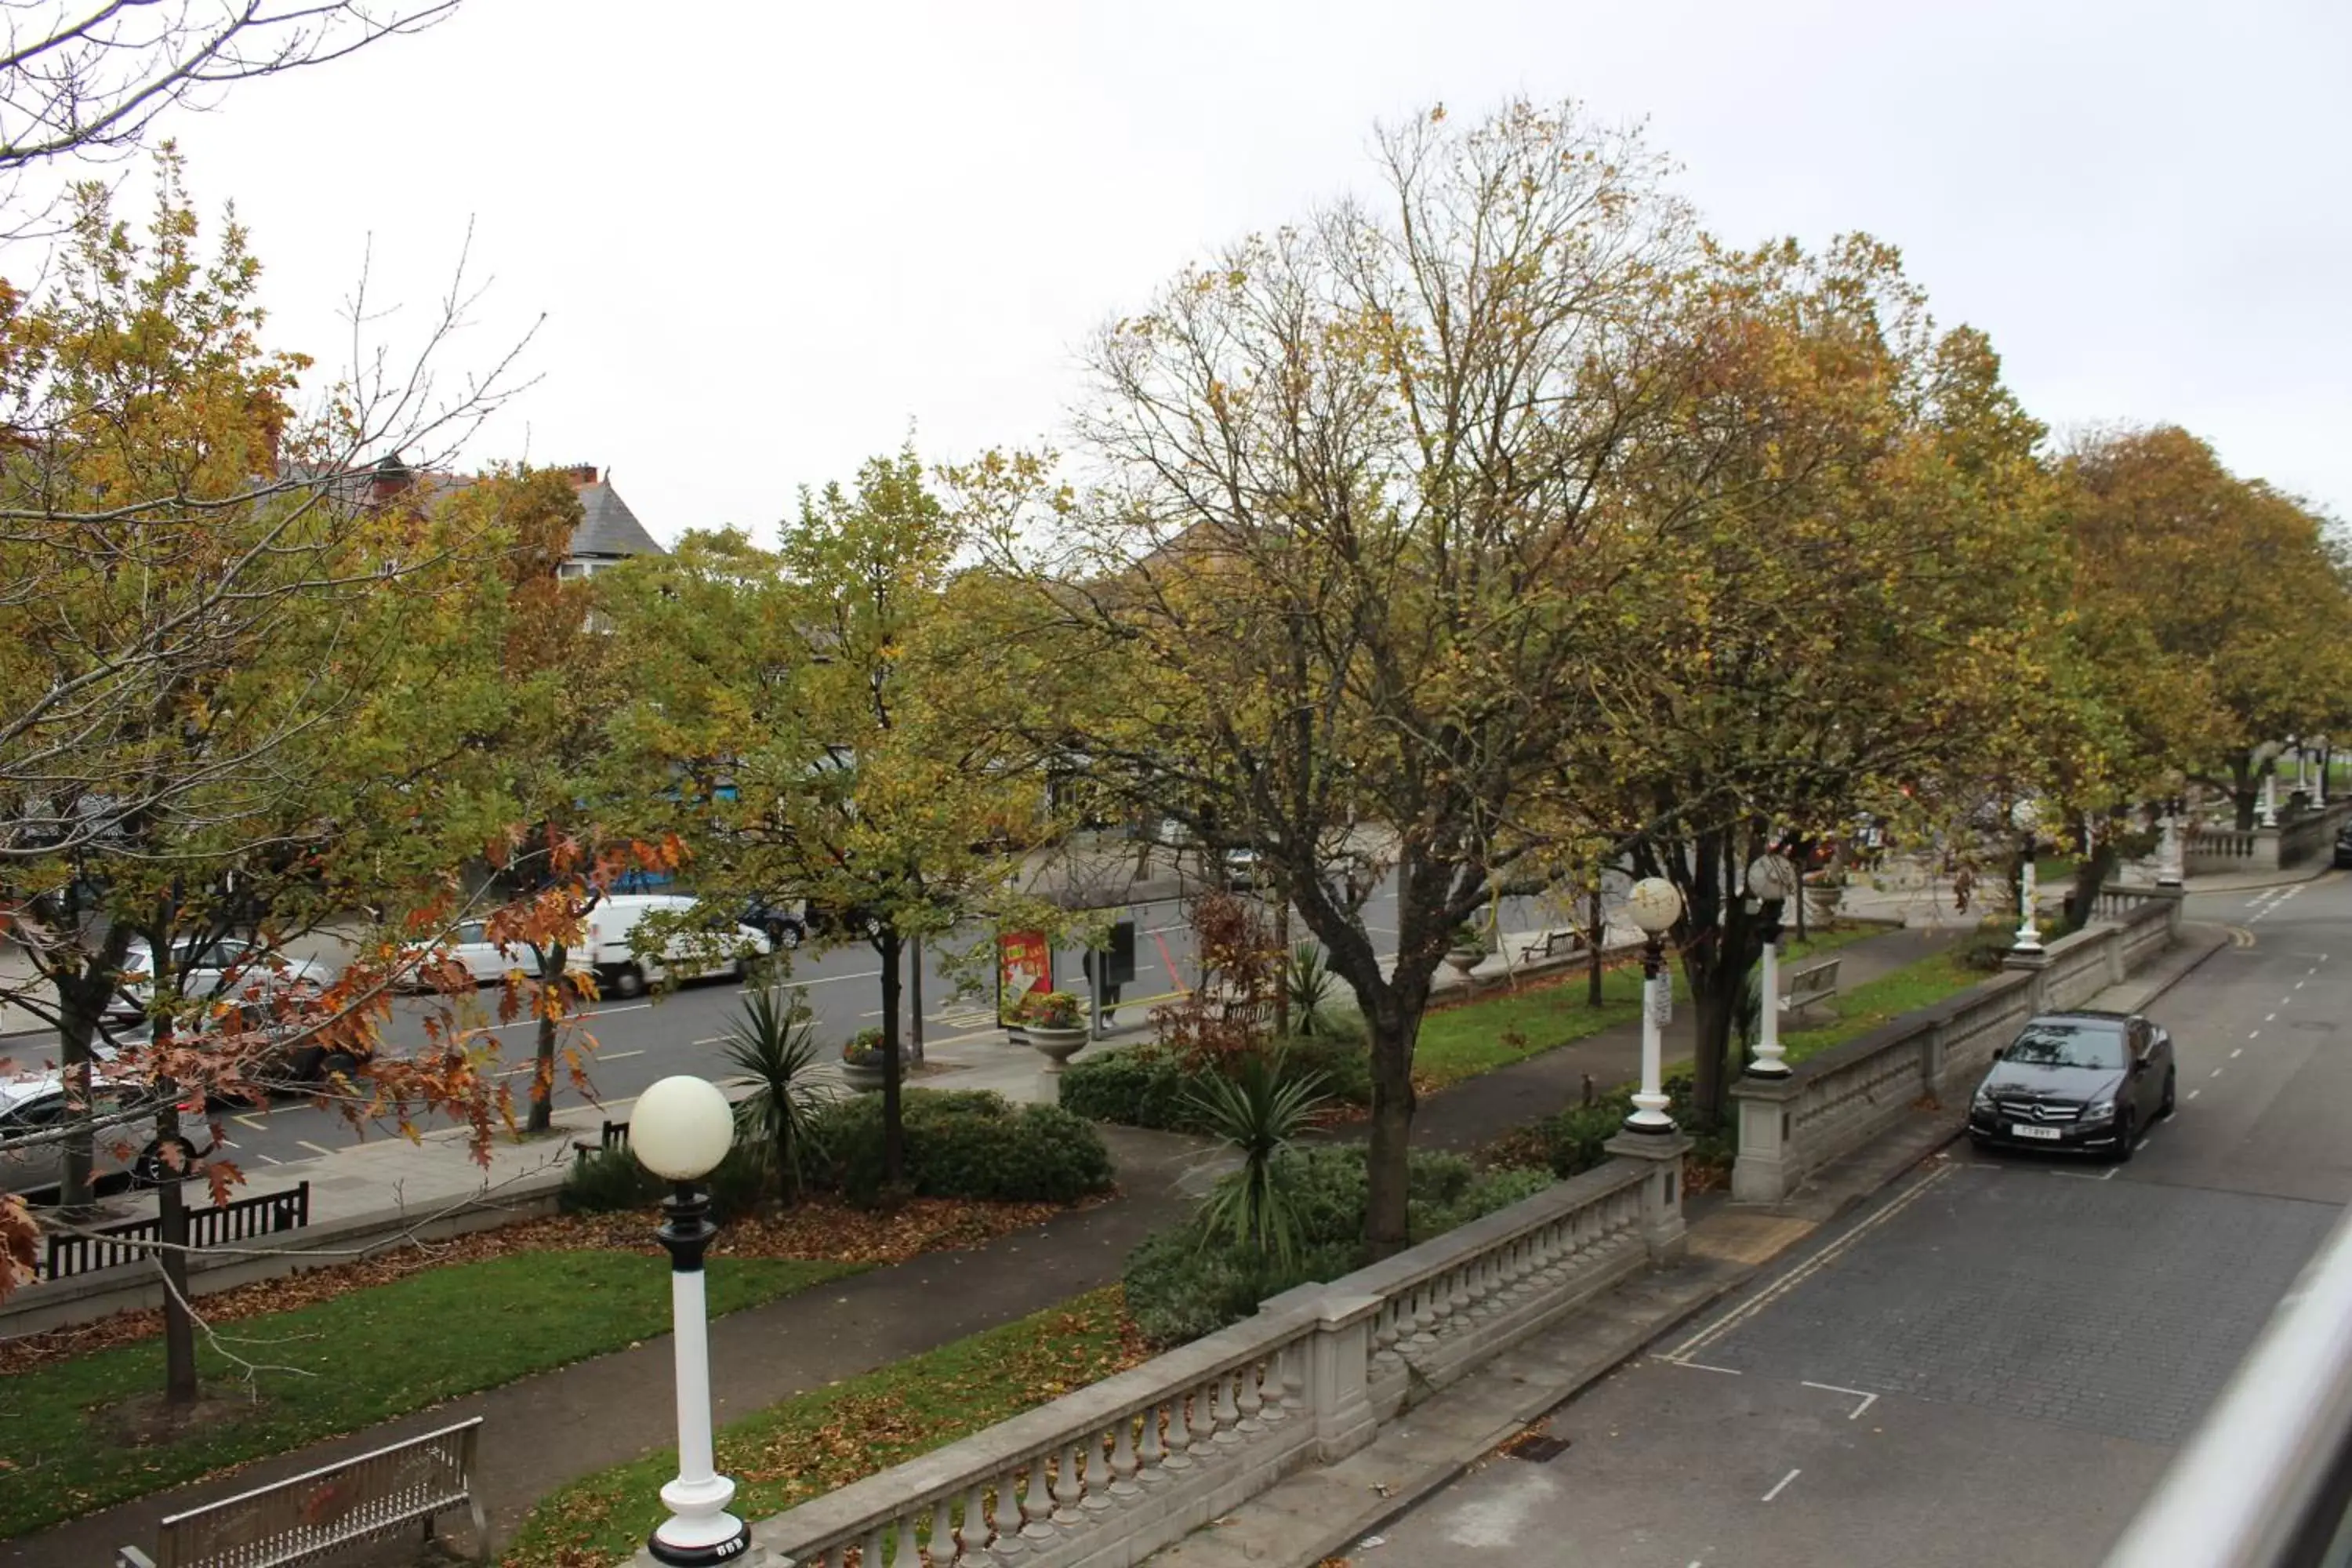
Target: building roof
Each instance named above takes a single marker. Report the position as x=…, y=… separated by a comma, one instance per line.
x=607, y=526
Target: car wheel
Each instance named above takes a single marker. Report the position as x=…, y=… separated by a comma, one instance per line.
x=339, y=1063
x=786, y=935
x=629, y=981
x=2164, y=1107
x=2127, y=1134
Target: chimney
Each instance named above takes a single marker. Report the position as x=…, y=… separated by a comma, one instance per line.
x=582, y=473
x=391, y=477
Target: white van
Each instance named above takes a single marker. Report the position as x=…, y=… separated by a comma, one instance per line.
x=688, y=955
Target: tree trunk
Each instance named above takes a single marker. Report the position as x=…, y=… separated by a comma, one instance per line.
x=2091, y=874
x=894, y=1130
x=1386, y=1220
x=551, y=962
x=2245, y=790
x=1599, y=937
x=171, y=1210
x=80, y=1001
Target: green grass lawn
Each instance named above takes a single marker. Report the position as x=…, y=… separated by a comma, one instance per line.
x=817, y=1442
x=369, y=1355
x=1866, y=1006
x=1462, y=1042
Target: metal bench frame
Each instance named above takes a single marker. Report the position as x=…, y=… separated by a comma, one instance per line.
x=1815, y=983
x=315, y=1514
x=1552, y=944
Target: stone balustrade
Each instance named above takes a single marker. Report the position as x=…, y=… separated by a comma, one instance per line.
x=1832, y=1104
x=1107, y=1475
x=2298, y=840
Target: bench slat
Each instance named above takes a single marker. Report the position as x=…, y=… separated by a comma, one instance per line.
x=307, y=1517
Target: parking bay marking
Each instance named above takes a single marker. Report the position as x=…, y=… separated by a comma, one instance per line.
x=1805, y=1270
x=1782, y=1485
x=1867, y=1399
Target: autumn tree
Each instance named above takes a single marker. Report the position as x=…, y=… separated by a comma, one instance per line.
x=1341, y=575
x=1848, y=587
x=817, y=703
x=2218, y=597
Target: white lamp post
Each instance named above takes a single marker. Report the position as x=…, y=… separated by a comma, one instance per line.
x=2168, y=869
x=2028, y=930
x=2270, y=793
x=682, y=1127
x=1771, y=882
x=1654, y=906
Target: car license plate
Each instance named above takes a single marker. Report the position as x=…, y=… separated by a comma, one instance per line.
x=2018, y=1129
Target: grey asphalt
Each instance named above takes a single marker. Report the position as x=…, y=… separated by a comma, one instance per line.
x=1994, y=1360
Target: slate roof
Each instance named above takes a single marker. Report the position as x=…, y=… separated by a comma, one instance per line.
x=608, y=529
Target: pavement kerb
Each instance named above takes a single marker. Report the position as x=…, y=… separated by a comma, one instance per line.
x=1505, y=1383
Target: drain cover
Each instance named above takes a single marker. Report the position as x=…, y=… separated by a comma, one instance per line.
x=1536, y=1448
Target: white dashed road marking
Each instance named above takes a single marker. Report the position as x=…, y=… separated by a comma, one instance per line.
x=1782, y=1485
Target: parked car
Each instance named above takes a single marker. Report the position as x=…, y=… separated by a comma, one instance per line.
x=785, y=922
x=33, y=1105
x=469, y=944
x=224, y=967
x=2082, y=1082
x=1241, y=870
x=2344, y=845
x=687, y=955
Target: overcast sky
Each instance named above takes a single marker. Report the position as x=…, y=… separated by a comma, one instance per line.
x=764, y=248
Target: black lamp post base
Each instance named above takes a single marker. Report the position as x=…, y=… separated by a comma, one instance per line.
x=734, y=1549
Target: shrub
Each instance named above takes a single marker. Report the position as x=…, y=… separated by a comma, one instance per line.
x=1189, y=1280
x=612, y=1182
x=967, y=1144
x=608, y=1182
x=864, y=1050
x=1054, y=1010
x=1145, y=1085
x=1995, y=934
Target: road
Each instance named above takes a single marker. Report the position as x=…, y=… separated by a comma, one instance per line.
x=1995, y=1360
x=638, y=1041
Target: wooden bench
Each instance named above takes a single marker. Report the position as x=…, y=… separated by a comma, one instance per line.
x=615, y=1135
x=320, y=1511
x=1552, y=944
x=1814, y=983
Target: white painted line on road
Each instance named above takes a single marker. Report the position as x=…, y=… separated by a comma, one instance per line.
x=314, y=1148
x=2299, y=985
x=271, y=1158
x=2215, y=1073
x=2138, y=1146
x=829, y=979
x=2269, y=1017
x=227, y=1143
x=2253, y=1034
x=1701, y=1366
x=1867, y=1399
x=2238, y=1052
x=1803, y=1271
x=875, y=1014
x=619, y=1056
x=2106, y=1176
x=1782, y=1485
x=2195, y=1092
x=255, y=1122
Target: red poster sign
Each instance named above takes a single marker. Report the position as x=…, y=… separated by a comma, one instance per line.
x=1028, y=963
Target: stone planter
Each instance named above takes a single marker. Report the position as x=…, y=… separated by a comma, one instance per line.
x=1057, y=1046
x=1464, y=959
x=864, y=1077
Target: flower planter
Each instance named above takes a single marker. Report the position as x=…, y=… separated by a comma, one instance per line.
x=1464, y=959
x=863, y=1078
x=1057, y=1046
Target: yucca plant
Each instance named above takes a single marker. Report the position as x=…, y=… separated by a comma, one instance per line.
x=1261, y=1110
x=774, y=1044
x=1311, y=981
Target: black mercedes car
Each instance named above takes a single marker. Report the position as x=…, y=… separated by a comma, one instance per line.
x=2344, y=845
x=2079, y=1082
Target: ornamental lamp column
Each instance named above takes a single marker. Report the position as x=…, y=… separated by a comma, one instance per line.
x=1654, y=906
x=2028, y=930
x=2270, y=793
x=1771, y=882
x=2168, y=867
x=681, y=1129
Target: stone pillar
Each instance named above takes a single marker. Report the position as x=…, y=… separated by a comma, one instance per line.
x=1337, y=1359
x=2168, y=867
x=1767, y=1170
x=1661, y=1189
